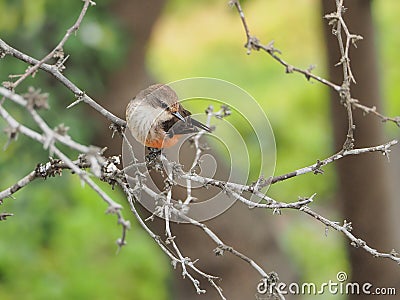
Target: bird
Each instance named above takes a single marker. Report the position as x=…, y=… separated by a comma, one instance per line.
x=156, y=118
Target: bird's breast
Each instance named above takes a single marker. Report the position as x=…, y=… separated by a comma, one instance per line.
x=145, y=123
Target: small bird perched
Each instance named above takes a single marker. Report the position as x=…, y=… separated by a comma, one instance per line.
x=157, y=119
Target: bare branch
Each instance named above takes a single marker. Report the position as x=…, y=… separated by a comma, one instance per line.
x=316, y=168
x=372, y=110
x=253, y=43
x=58, y=49
x=79, y=94
x=93, y=155
x=355, y=242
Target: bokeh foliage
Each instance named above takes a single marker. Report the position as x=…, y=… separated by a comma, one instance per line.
x=60, y=243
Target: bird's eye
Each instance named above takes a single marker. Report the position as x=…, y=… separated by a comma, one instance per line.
x=164, y=105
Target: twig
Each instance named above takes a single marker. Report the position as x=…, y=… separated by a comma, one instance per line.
x=316, y=168
x=59, y=47
x=336, y=20
x=96, y=163
x=367, y=110
x=167, y=207
x=81, y=95
x=196, y=143
x=50, y=133
x=253, y=43
x=49, y=169
x=176, y=257
x=355, y=242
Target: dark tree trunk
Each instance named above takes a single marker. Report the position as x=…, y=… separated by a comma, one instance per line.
x=138, y=18
x=363, y=180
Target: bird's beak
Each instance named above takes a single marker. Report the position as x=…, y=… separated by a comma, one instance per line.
x=200, y=125
x=179, y=116
x=191, y=121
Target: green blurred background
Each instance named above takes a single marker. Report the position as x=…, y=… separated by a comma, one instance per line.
x=61, y=245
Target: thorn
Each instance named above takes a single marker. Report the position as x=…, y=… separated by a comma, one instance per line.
x=75, y=103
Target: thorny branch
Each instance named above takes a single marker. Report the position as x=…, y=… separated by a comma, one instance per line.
x=337, y=21
x=54, y=71
x=93, y=155
x=57, y=52
x=338, y=27
x=92, y=161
